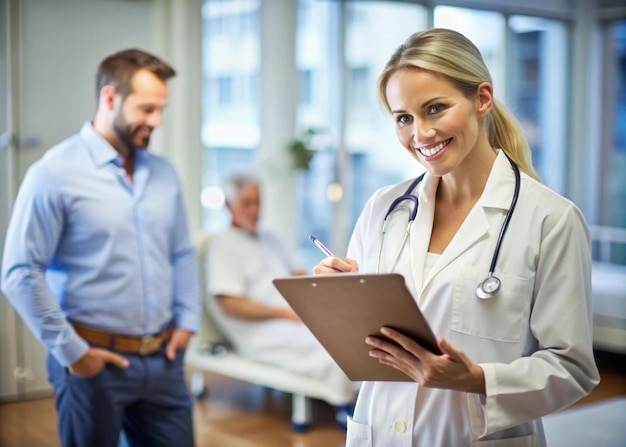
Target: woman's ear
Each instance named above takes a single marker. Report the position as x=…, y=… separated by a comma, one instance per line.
x=484, y=99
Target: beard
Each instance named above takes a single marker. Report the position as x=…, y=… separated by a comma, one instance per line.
x=133, y=137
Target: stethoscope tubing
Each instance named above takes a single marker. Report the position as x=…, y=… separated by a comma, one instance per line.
x=412, y=215
x=507, y=218
x=494, y=287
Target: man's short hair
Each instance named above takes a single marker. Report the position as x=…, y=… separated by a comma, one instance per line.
x=118, y=70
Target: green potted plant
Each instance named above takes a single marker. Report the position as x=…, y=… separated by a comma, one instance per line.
x=301, y=151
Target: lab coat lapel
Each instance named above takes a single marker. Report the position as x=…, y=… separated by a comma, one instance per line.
x=419, y=238
x=483, y=221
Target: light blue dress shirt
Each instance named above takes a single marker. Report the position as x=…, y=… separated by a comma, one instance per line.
x=87, y=246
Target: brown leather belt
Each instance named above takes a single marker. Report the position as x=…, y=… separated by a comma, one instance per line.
x=148, y=344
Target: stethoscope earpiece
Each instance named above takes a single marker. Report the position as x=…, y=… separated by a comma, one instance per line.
x=488, y=288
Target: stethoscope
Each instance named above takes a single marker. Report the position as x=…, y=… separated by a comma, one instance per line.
x=487, y=288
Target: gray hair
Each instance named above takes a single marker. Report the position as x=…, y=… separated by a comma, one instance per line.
x=234, y=181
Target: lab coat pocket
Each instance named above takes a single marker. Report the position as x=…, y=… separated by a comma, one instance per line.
x=503, y=317
x=521, y=441
x=358, y=435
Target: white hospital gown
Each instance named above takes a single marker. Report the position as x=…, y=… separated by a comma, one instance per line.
x=240, y=264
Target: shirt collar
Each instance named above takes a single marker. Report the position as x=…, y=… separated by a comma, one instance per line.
x=498, y=189
x=100, y=151
x=500, y=184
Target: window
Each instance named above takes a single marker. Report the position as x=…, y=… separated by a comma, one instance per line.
x=614, y=213
x=230, y=116
x=225, y=90
x=472, y=23
x=359, y=151
x=306, y=87
x=538, y=92
x=610, y=235
x=374, y=31
x=360, y=82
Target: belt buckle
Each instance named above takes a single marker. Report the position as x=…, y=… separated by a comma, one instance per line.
x=149, y=344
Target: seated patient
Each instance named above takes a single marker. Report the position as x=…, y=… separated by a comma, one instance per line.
x=241, y=263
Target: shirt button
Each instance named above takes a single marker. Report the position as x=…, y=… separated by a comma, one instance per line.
x=399, y=425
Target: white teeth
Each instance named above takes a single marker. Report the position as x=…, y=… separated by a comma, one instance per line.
x=429, y=152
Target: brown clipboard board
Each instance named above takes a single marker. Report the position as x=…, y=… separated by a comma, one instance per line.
x=341, y=310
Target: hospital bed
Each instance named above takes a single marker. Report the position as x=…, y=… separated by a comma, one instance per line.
x=209, y=351
x=608, y=287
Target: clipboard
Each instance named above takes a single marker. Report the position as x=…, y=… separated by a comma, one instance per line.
x=341, y=310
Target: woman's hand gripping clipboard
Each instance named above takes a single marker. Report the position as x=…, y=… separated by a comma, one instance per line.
x=341, y=310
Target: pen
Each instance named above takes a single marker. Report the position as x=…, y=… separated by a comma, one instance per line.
x=322, y=247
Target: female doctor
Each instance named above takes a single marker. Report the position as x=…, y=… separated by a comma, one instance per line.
x=512, y=310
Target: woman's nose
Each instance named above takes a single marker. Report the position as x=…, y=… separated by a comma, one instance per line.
x=423, y=132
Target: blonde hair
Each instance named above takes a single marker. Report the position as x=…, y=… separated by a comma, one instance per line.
x=452, y=55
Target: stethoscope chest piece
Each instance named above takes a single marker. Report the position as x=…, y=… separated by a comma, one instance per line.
x=488, y=288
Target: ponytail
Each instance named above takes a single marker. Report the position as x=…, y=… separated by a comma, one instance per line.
x=505, y=133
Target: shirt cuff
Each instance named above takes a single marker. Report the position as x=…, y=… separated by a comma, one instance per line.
x=478, y=403
x=68, y=352
x=187, y=322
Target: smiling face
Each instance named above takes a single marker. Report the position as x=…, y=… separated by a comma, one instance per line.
x=137, y=115
x=435, y=121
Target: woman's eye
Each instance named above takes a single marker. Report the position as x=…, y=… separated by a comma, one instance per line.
x=403, y=120
x=434, y=109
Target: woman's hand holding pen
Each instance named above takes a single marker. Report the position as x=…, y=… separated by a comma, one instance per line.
x=332, y=264
x=452, y=370
x=335, y=265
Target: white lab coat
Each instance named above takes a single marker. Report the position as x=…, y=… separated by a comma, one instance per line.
x=533, y=340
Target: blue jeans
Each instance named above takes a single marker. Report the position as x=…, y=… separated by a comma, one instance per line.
x=149, y=400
